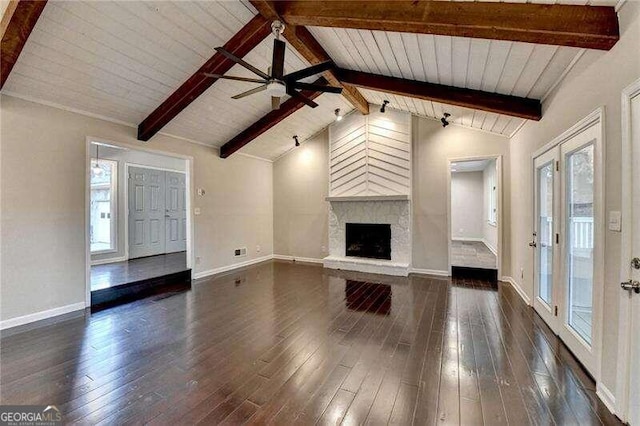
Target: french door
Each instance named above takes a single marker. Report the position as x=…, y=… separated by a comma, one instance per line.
x=567, y=272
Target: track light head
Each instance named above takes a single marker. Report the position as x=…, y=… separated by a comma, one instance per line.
x=444, y=120
x=383, y=107
x=338, y=115
x=295, y=138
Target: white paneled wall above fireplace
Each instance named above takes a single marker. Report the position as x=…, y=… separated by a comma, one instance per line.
x=370, y=155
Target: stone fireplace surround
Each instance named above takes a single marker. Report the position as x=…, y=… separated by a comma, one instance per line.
x=392, y=210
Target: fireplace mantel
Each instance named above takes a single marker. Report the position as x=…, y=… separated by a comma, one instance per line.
x=369, y=198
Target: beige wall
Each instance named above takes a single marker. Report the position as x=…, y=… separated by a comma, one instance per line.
x=467, y=205
x=597, y=80
x=300, y=184
x=432, y=146
x=43, y=210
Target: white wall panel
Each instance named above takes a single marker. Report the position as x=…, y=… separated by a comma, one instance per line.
x=370, y=155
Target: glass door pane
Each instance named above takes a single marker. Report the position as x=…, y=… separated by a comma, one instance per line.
x=545, y=232
x=580, y=238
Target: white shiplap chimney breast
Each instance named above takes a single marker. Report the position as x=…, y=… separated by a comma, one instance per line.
x=370, y=182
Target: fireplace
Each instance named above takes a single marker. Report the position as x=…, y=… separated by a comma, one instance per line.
x=368, y=240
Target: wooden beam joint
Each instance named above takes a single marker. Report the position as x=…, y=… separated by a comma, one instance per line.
x=240, y=44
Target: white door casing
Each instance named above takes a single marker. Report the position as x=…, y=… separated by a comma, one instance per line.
x=146, y=212
x=628, y=378
x=176, y=212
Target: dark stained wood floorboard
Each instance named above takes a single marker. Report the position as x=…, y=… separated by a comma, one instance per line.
x=282, y=343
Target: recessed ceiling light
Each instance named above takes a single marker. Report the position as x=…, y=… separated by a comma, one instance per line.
x=338, y=115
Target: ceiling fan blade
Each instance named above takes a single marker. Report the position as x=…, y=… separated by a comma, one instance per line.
x=231, y=77
x=239, y=61
x=250, y=92
x=275, y=102
x=317, y=87
x=308, y=72
x=295, y=94
x=277, y=64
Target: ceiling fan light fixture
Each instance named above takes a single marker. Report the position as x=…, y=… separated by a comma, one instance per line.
x=276, y=88
x=96, y=170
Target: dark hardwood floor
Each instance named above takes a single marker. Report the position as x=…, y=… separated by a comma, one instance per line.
x=294, y=344
x=118, y=273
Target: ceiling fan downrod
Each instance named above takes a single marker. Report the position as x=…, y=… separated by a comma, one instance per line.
x=277, y=28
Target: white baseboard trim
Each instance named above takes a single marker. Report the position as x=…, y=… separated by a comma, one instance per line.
x=490, y=247
x=518, y=289
x=607, y=398
x=296, y=258
x=437, y=272
x=110, y=260
x=210, y=272
x=26, y=319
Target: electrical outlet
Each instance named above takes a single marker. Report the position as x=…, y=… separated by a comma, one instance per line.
x=257, y=249
x=324, y=249
x=198, y=259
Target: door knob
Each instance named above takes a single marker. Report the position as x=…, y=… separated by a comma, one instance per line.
x=533, y=244
x=631, y=285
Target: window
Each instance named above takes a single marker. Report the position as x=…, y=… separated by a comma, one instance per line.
x=103, y=206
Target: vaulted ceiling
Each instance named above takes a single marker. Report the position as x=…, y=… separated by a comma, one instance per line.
x=121, y=60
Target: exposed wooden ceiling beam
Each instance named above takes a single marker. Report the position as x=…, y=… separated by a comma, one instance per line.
x=18, y=21
x=306, y=44
x=240, y=44
x=593, y=27
x=268, y=121
x=485, y=101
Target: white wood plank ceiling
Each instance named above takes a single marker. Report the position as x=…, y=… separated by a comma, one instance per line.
x=120, y=60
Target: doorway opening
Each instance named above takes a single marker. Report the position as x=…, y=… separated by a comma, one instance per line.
x=474, y=219
x=138, y=223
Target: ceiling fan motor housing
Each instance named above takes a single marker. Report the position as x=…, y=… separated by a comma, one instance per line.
x=276, y=88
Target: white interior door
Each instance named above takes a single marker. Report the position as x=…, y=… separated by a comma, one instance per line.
x=176, y=212
x=567, y=236
x=146, y=212
x=546, y=181
x=633, y=229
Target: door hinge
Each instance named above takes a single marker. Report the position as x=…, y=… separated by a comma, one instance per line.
x=557, y=238
x=557, y=166
x=555, y=311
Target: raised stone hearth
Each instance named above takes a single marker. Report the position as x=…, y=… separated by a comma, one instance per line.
x=395, y=213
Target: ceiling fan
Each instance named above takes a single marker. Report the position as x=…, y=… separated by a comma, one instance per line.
x=275, y=82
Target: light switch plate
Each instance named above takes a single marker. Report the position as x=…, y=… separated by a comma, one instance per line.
x=615, y=221
x=196, y=211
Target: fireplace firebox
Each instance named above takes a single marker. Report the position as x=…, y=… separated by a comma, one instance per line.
x=370, y=240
